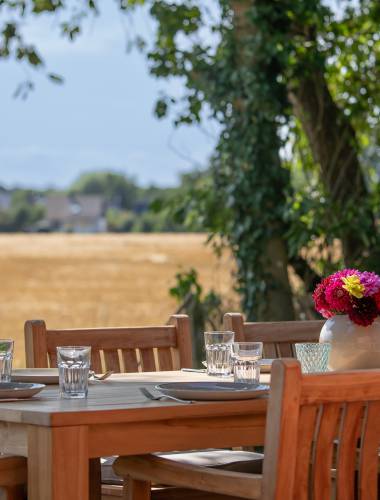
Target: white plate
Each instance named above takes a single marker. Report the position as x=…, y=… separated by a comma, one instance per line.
x=212, y=391
x=36, y=375
x=9, y=390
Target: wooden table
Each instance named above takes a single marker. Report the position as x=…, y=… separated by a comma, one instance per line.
x=60, y=436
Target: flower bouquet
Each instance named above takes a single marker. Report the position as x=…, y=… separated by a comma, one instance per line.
x=350, y=301
x=350, y=292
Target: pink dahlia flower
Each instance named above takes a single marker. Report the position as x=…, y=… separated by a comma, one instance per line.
x=337, y=298
x=371, y=282
x=319, y=297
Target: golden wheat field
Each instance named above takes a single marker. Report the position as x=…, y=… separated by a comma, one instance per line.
x=98, y=280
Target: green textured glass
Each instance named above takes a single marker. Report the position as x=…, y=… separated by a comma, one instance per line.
x=314, y=358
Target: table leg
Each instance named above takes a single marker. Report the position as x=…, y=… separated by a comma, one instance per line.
x=58, y=465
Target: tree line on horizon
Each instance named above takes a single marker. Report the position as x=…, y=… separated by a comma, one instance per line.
x=128, y=207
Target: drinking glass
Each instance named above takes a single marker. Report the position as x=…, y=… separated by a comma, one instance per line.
x=6, y=358
x=314, y=357
x=245, y=357
x=73, y=365
x=218, y=352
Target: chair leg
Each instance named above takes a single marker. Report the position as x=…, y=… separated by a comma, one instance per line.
x=15, y=492
x=95, y=479
x=134, y=489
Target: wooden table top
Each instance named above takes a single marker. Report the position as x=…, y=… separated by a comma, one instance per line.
x=118, y=399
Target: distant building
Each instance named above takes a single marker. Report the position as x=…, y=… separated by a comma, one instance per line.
x=77, y=214
x=5, y=199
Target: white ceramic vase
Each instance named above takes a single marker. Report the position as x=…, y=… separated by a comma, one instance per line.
x=352, y=346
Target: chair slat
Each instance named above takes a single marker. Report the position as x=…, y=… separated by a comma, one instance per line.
x=111, y=358
x=147, y=360
x=306, y=430
x=285, y=350
x=130, y=360
x=368, y=465
x=96, y=362
x=165, y=360
x=347, y=450
x=269, y=350
x=53, y=359
x=323, y=453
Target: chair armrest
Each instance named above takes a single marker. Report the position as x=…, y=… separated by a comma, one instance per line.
x=165, y=471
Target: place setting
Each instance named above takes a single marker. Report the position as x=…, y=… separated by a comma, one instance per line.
x=11, y=390
x=72, y=375
x=234, y=366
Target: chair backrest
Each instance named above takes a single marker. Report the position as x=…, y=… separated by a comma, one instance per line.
x=123, y=349
x=278, y=337
x=318, y=426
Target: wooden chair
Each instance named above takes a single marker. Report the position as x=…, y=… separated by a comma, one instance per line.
x=307, y=415
x=278, y=337
x=13, y=474
x=122, y=349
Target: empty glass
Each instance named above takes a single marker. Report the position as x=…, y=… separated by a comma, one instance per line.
x=245, y=357
x=6, y=358
x=73, y=365
x=314, y=357
x=218, y=352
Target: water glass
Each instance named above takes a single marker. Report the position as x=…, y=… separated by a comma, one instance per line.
x=218, y=352
x=245, y=357
x=6, y=358
x=314, y=357
x=73, y=366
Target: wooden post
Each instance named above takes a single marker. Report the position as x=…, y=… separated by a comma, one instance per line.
x=35, y=344
x=51, y=475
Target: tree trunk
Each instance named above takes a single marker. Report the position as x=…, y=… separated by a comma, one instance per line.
x=334, y=147
x=270, y=269
x=278, y=305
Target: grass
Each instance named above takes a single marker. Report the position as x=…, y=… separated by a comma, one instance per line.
x=98, y=280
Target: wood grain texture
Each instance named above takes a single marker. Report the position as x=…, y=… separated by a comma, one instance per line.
x=181, y=323
x=165, y=359
x=164, y=471
x=234, y=322
x=306, y=431
x=137, y=489
x=281, y=430
x=130, y=360
x=118, y=399
x=36, y=344
x=13, y=471
x=58, y=466
x=347, y=450
x=323, y=454
x=369, y=453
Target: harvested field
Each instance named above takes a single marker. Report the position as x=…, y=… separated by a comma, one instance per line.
x=98, y=280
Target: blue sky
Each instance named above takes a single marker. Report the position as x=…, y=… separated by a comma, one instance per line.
x=102, y=117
